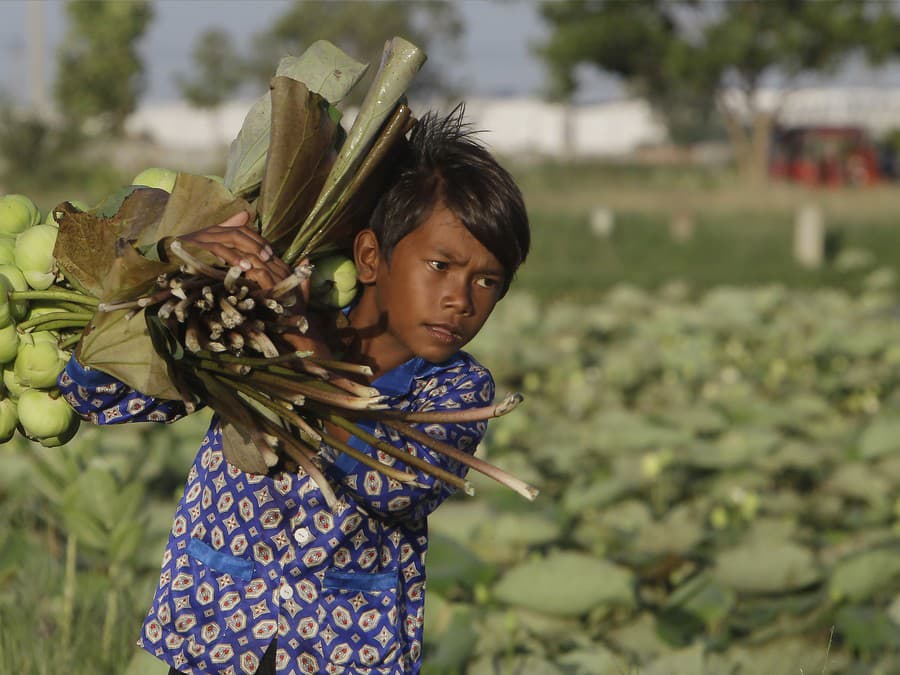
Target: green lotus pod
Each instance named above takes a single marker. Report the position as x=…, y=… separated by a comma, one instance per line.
x=38, y=364
x=14, y=277
x=156, y=177
x=34, y=256
x=333, y=281
x=9, y=419
x=9, y=343
x=17, y=214
x=46, y=417
x=14, y=388
x=77, y=203
x=7, y=250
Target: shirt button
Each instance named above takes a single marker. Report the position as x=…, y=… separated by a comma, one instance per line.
x=302, y=536
x=286, y=592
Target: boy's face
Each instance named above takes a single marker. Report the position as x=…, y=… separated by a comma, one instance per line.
x=437, y=290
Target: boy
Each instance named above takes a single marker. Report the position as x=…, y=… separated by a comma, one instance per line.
x=259, y=575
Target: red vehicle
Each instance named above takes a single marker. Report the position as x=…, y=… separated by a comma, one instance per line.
x=826, y=156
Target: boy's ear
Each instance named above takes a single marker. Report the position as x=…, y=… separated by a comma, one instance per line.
x=366, y=255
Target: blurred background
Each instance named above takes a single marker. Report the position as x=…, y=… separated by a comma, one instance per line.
x=707, y=331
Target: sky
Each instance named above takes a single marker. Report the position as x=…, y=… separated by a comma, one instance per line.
x=496, y=57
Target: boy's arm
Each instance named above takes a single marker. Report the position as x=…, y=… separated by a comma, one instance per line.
x=103, y=399
x=392, y=499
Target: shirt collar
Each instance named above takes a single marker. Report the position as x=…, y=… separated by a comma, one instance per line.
x=399, y=381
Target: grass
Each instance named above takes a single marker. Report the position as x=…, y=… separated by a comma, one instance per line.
x=740, y=235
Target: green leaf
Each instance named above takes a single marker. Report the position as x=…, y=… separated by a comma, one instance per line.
x=298, y=162
x=858, y=578
x=566, y=584
x=767, y=567
x=400, y=63
x=325, y=70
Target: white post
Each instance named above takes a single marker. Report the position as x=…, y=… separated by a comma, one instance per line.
x=603, y=221
x=809, y=236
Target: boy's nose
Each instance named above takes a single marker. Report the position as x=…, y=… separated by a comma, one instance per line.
x=459, y=298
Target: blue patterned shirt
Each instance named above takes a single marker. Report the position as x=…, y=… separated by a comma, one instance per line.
x=252, y=558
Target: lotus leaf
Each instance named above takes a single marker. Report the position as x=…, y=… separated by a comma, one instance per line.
x=641, y=637
x=594, y=660
x=762, y=566
x=452, y=640
x=678, y=532
x=687, y=660
x=566, y=584
x=867, y=630
x=859, y=577
x=452, y=564
x=704, y=598
x=881, y=437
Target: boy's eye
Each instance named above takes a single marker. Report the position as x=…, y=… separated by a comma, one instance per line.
x=438, y=265
x=487, y=282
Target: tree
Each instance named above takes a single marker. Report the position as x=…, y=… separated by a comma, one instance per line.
x=100, y=74
x=694, y=58
x=360, y=28
x=218, y=71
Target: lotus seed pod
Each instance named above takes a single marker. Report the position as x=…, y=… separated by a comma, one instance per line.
x=34, y=256
x=38, y=365
x=156, y=177
x=16, y=280
x=9, y=343
x=6, y=315
x=9, y=419
x=78, y=204
x=13, y=387
x=333, y=281
x=17, y=214
x=7, y=250
x=46, y=417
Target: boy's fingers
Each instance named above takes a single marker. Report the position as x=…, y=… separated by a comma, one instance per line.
x=237, y=220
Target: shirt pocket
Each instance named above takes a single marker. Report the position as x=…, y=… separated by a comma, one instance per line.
x=359, y=625
x=219, y=594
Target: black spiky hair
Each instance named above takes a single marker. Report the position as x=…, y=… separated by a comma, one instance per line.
x=443, y=163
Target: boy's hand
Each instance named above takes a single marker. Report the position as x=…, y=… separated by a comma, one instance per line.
x=237, y=244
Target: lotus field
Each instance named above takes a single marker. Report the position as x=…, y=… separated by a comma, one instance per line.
x=720, y=479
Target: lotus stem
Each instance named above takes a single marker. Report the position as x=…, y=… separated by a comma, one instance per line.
x=344, y=366
x=55, y=295
x=195, y=265
x=296, y=449
x=486, y=468
x=56, y=321
x=371, y=462
x=457, y=416
x=412, y=460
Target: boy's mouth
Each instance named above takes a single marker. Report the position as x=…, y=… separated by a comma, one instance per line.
x=444, y=332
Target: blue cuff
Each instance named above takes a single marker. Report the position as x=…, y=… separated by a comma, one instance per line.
x=87, y=377
x=345, y=463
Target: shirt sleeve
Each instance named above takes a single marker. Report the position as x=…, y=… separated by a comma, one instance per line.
x=390, y=498
x=102, y=399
